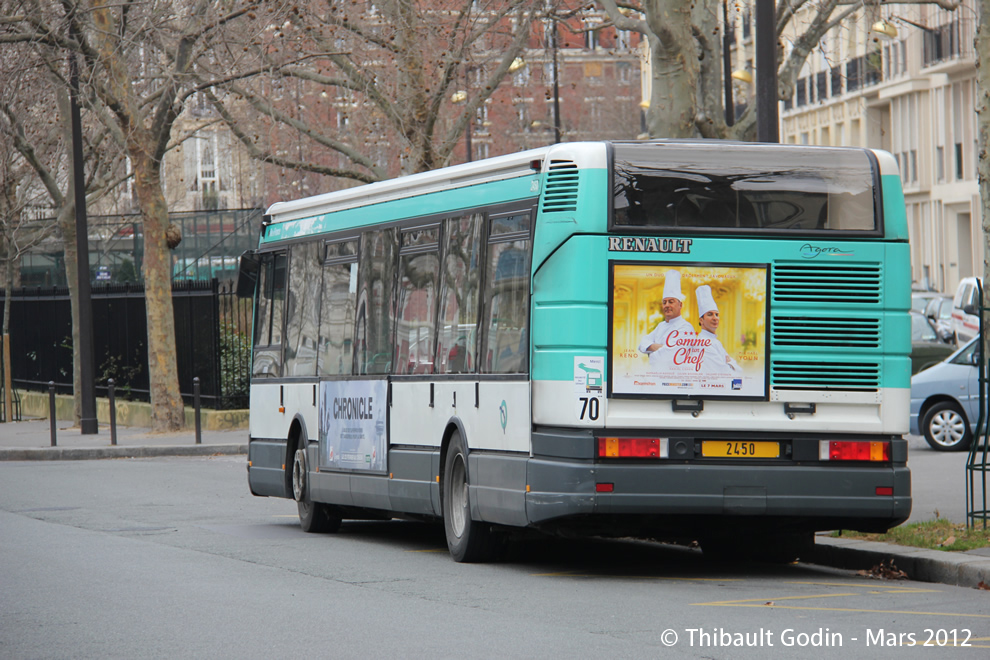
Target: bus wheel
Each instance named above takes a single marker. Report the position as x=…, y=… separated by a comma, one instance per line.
x=314, y=517
x=468, y=540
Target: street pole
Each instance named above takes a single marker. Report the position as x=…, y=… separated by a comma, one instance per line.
x=727, y=38
x=556, y=87
x=766, y=73
x=87, y=422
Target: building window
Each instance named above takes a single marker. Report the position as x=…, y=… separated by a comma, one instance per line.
x=940, y=163
x=941, y=43
x=591, y=35
x=802, y=92
x=853, y=80
x=623, y=40
x=521, y=77
x=625, y=71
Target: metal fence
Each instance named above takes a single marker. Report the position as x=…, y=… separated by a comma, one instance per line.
x=211, y=243
x=212, y=335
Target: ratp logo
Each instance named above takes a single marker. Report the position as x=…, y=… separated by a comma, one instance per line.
x=503, y=414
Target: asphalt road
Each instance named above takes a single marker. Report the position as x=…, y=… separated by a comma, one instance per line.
x=938, y=482
x=171, y=557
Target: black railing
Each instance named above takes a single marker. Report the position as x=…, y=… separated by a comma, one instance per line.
x=212, y=336
x=977, y=464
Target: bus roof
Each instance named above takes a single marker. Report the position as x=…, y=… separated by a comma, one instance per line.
x=456, y=176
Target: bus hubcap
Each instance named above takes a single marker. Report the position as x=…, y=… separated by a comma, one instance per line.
x=458, y=496
x=299, y=475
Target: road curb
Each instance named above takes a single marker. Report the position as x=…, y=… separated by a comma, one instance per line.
x=956, y=568
x=94, y=453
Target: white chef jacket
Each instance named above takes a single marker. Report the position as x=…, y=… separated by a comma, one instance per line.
x=663, y=357
x=716, y=360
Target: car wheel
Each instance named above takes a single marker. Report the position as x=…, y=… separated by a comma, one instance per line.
x=946, y=427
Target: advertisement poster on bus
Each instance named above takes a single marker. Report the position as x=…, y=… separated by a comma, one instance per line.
x=352, y=425
x=688, y=330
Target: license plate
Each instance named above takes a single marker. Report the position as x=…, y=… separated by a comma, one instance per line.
x=739, y=449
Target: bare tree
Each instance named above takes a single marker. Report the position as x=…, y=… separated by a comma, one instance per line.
x=137, y=63
x=35, y=119
x=19, y=193
x=685, y=48
x=367, y=91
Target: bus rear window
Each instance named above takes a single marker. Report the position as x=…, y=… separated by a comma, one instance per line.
x=734, y=186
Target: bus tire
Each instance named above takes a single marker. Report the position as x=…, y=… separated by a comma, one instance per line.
x=314, y=517
x=467, y=540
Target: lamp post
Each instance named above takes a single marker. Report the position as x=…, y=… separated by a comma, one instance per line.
x=87, y=422
x=766, y=73
x=556, y=82
x=727, y=38
x=460, y=96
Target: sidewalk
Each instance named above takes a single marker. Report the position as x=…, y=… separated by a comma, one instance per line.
x=31, y=440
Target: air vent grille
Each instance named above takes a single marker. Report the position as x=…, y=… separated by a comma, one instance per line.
x=561, y=193
x=851, y=284
x=803, y=375
x=816, y=332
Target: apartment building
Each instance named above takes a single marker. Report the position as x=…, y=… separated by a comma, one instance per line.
x=577, y=79
x=903, y=78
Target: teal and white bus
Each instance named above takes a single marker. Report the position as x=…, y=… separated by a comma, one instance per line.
x=676, y=339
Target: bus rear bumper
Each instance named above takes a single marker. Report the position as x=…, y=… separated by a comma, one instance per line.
x=810, y=497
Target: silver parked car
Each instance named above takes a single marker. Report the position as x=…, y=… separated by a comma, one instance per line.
x=945, y=400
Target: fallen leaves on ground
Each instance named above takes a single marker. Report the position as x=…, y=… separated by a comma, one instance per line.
x=885, y=570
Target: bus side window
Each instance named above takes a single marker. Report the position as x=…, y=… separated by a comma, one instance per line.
x=376, y=302
x=303, y=310
x=269, y=317
x=506, y=348
x=419, y=271
x=460, y=289
x=337, y=310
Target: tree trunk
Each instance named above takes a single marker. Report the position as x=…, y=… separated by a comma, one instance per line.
x=674, y=71
x=166, y=401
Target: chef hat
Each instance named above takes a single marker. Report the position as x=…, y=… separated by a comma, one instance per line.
x=706, y=303
x=672, y=285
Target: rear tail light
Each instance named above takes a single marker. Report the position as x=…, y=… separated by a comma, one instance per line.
x=632, y=447
x=853, y=450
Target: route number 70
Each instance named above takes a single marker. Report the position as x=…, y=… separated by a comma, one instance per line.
x=590, y=407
